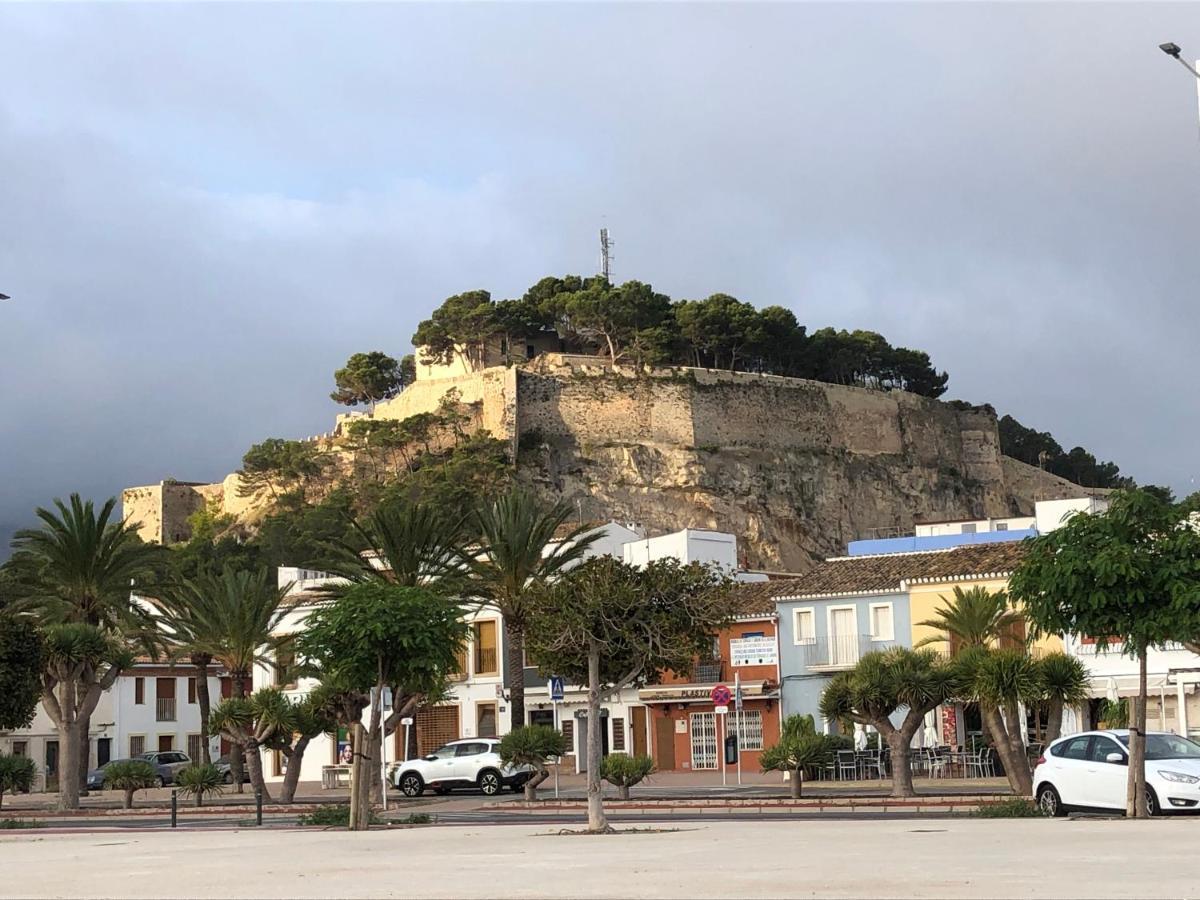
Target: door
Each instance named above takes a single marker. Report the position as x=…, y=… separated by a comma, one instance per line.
x=166, y=742
x=843, y=636
x=704, y=740
x=442, y=765
x=103, y=751
x=581, y=725
x=485, y=719
x=664, y=742
x=1070, y=770
x=467, y=760
x=52, y=765
x=637, y=724
x=1106, y=781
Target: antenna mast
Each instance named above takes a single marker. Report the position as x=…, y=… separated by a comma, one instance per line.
x=606, y=256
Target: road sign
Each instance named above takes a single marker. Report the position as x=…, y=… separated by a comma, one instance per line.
x=556, y=688
x=721, y=710
x=721, y=695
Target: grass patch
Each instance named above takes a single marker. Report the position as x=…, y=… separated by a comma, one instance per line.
x=21, y=823
x=1012, y=808
x=332, y=816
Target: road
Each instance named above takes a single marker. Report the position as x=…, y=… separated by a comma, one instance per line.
x=823, y=858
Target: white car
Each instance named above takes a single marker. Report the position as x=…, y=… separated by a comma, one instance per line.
x=1089, y=771
x=472, y=762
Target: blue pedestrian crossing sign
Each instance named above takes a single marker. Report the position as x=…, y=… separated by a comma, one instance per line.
x=556, y=688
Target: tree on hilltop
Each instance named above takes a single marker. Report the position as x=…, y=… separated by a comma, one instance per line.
x=368, y=378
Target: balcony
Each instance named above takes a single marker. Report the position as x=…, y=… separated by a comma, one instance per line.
x=164, y=709
x=708, y=671
x=839, y=652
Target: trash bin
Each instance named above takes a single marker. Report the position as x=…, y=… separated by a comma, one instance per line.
x=731, y=750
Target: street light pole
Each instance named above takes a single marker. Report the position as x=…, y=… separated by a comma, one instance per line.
x=1175, y=51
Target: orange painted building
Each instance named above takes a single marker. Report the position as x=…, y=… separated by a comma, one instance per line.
x=686, y=731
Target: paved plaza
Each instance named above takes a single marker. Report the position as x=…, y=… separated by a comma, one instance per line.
x=951, y=858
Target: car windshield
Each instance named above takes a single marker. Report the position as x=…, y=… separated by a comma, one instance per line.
x=1167, y=746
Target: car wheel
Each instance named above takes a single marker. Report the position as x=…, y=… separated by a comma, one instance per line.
x=227, y=778
x=489, y=782
x=1152, y=806
x=162, y=782
x=411, y=784
x=1049, y=801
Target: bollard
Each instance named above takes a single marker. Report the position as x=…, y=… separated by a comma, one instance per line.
x=174, y=807
x=258, y=806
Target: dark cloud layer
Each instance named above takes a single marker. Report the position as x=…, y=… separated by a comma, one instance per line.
x=204, y=209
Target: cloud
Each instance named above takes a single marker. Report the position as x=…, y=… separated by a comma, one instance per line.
x=205, y=209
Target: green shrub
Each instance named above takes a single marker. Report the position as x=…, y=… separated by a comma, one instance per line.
x=332, y=815
x=625, y=771
x=201, y=780
x=416, y=819
x=1012, y=808
x=16, y=775
x=20, y=823
x=130, y=775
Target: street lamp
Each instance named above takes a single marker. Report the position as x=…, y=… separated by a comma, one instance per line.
x=1173, y=50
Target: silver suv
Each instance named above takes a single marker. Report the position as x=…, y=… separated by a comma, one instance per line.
x=470, y=763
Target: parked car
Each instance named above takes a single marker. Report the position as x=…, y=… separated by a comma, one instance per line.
x=174, y=761
x=95, y=777
x=472, y=762
x=1089, y=771
x=226, y=769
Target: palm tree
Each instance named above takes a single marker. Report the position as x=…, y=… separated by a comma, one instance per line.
x=250, y=723
x=183, y=610
x=974, y=618
x=231, y=619
x=412, y=544
x=1064, y=683
x=1002, y=680
x=521, y=548
x=79, y=567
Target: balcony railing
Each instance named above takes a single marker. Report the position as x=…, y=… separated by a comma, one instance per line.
x=708, y=671
x=164, y=709
x=840, y=651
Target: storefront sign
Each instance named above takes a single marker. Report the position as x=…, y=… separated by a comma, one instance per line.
x=755, y=651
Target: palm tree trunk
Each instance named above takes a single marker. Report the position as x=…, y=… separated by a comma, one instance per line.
x=1017, y=770
x=1054, y=719
x=205, y=704
x=902, y=783
x=295, y=757
x=515, y=642
x=797, y=785
x=236, y=757
x=85, y=752
x=597, y=821
x=531, y=785
x=254, y=762
x=1016, y=743
x=68, y=782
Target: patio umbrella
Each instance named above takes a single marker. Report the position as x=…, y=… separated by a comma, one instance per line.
x=931, y=735
x=860, y=737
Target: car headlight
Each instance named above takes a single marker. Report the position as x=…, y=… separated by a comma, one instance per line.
x=1177, y=777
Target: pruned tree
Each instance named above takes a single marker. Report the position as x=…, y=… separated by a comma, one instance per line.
x=368, y=378
x=1127, y=577
x=609, y=625
x=129, y=776
x=1001, y=682
x=375, y=635
x=251, y=723
x=888, y=685
x=623, y=771
x=533, y=746
x=800, y=751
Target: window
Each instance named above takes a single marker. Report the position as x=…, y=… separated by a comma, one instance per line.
x=1076, y=748
x=285, y=668
x=139, y=692
x=753, y=634
x=881, y=622
x=20, y=748
x=487, y=661
x=137, y=744
x=436, y=725
x=969, y=528
x=164, y=699
x=618, y=726
x=1002, y=526
x=805, y=624
x=471, y=749
x=191, y=690
x=460, y=664
x=568, y=732
x=166, y=743
x=542, y=717
x=1101, y=747
x=447, y=752
x=749, y=729
x=194, y=749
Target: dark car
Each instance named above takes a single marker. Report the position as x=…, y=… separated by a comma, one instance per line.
x=95, y=778
x=226, y=770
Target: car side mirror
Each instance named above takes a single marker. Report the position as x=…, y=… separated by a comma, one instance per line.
x=431, y=759
x=1114, y=757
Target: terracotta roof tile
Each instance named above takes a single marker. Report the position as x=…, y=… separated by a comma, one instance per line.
x=754, y=598
x=888, y=572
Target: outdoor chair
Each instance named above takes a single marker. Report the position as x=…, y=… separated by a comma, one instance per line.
x=847, y=765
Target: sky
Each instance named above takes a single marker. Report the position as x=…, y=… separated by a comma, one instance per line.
x=204, y=209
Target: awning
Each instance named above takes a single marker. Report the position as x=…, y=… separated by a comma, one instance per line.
x=702, y=693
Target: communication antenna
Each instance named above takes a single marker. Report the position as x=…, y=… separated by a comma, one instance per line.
x=606, y=256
